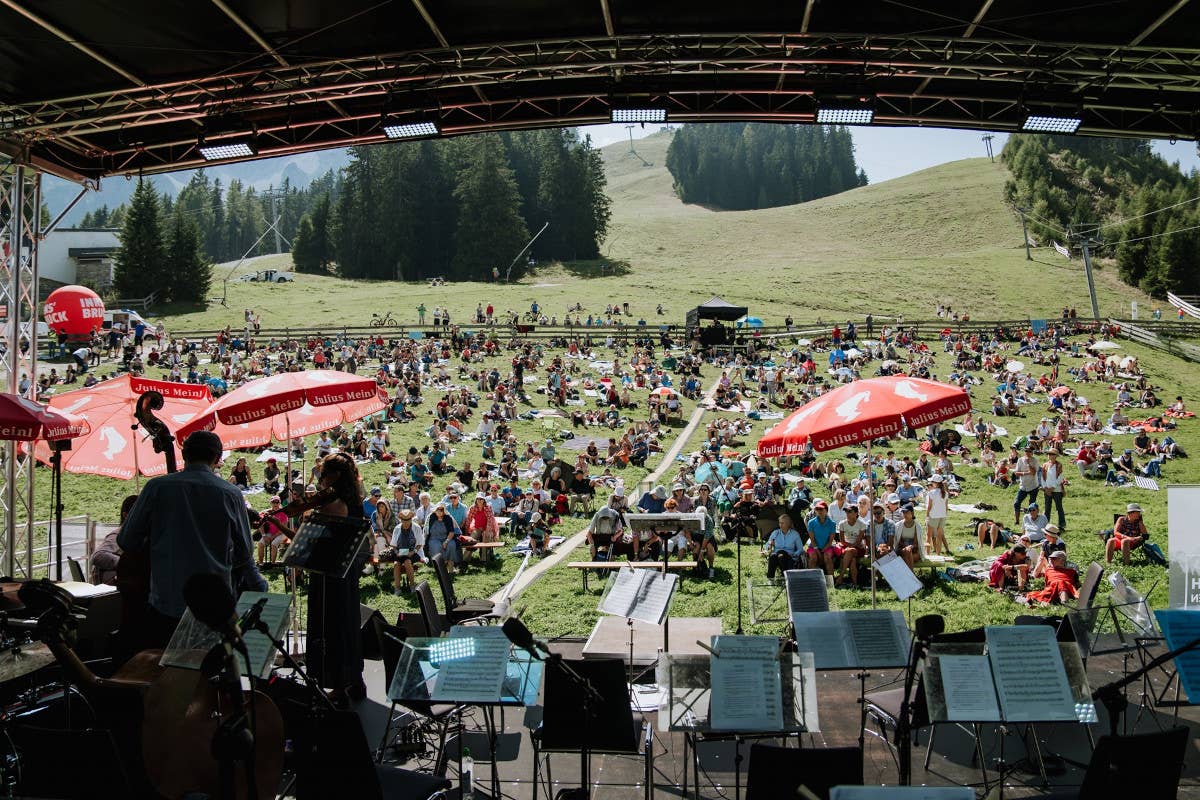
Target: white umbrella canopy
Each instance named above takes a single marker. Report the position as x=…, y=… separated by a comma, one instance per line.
x=1104, y=345
x=1015, y=366
x=854, y=352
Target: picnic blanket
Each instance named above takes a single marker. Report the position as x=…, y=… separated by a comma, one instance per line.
x=1142, y=482
x=968, y=508
x=522, y=547
x=965, y=431
x=1178, y=414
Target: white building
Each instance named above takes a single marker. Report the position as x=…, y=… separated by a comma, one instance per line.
x=77, y=255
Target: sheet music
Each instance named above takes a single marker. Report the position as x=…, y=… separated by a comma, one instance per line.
x=643, y=595
x=1031, y=680
x=899, y=576
x=823, y=633
x=472, y=663
x=876, y=639
x=806, y=590
x=1180, y=627
x=970, y=690
x=747, y=691
x=275, y=616
x=192, y=639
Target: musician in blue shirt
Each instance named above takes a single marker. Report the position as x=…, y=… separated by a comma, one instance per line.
x=785, y=547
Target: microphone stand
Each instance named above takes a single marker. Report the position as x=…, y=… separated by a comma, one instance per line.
x=590, y=697
x=1112, y=696
x=920, y=646
x=233, y=740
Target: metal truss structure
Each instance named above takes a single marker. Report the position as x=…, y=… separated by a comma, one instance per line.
x=20, y=217
x=930, y=80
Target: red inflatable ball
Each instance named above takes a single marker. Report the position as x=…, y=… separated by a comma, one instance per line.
x=73, y=310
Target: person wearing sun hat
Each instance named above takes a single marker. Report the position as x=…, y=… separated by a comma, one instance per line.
x=408, y=541
x=1129, y=532
x=1061, y=581
x=1051, y=544
x=652, y=502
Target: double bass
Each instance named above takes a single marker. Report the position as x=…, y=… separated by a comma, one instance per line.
x=133, y=570
x=179, y=708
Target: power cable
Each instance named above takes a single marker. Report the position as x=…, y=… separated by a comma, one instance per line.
x=1148, y=213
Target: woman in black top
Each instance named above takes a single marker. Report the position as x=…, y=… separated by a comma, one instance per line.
x=240, y=475
x=335, y=658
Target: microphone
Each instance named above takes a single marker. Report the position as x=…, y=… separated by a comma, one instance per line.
x=252, y=617
x=522, y=637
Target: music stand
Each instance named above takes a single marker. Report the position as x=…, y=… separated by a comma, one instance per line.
x=609, y=727
x=935, y=694
x=640, y=594
x=423, y=659
x=686, y=705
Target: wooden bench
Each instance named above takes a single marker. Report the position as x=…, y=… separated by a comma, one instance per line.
x=488, y=549
x=584, y=566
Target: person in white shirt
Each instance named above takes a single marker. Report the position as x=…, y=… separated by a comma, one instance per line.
x=1033, y=526
x=936, y=511
x=1052, y=486
x=855, y=544
x=408, y=541
x=324, y=444
x=1026, y=473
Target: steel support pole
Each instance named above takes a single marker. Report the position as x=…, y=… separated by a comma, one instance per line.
x=20, y=228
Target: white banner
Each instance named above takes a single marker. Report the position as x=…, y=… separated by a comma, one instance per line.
x=1183, y=525
x=1062, y=251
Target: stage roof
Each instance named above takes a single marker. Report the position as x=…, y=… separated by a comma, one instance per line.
x=90, y=88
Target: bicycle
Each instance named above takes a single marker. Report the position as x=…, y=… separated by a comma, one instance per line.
x=383, y=321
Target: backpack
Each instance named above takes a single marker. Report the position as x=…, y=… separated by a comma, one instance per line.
x=1154, y=554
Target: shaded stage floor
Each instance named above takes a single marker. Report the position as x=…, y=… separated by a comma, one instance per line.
x=1066, y=748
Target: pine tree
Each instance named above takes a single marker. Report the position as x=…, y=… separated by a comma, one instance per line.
x=490, y=229
x=312, y=248
x=190, y=273
x=140, y=264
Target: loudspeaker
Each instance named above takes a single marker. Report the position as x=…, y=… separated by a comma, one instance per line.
x=370, y=620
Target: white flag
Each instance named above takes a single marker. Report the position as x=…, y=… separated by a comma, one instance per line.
x=1062, y=251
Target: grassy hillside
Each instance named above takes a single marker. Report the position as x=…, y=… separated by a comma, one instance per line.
x=898, y=246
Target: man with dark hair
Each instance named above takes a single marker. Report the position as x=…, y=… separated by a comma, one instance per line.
x=193, y=521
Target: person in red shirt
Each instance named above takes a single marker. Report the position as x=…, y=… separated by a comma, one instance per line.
x=481, y=521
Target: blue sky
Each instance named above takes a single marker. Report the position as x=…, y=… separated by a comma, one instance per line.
x=887, y=153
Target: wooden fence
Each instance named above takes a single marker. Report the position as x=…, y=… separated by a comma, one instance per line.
x=925, y=329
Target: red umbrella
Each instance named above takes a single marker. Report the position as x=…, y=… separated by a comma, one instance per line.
x=112, y=448
x=862, y=410
x=24, y=420
x=327, y=393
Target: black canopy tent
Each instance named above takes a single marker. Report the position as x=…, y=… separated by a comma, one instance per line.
x=716, y=309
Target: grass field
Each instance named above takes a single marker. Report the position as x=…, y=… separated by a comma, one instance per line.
x=893, y=248
x=898, y=247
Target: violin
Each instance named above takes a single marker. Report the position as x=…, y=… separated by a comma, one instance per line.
x=321, y=498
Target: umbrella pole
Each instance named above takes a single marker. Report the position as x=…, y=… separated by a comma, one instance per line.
x=871, y=495
x=137, y=471
x=56, y=486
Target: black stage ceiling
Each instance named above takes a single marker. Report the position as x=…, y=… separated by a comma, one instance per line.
x=91, y=88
